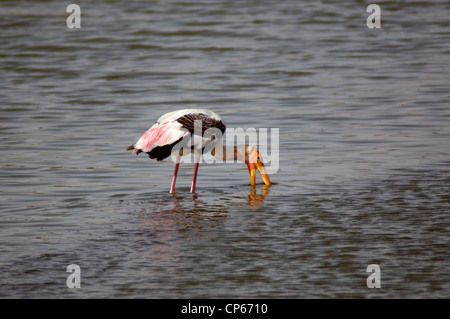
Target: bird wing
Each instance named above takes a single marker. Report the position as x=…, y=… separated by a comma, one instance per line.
x=160, y=135
x=175, y=115
x=202, y=127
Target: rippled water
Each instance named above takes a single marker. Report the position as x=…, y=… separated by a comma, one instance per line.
x=364, y=125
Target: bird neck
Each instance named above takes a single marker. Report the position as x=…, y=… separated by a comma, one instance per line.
x=230, y=153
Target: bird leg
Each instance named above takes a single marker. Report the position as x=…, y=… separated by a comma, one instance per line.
x=194, y=179
x=175, y=172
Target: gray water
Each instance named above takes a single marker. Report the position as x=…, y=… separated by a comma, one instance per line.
x=364, y=147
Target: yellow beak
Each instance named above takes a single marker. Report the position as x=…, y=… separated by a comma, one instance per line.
x=252, y=167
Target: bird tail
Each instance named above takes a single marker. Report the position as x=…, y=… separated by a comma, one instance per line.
x=132, y=148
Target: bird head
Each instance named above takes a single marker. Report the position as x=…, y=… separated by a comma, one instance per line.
x=254, y=162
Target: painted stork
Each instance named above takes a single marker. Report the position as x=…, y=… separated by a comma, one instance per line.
x=189, y=131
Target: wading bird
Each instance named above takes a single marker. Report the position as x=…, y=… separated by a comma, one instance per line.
x=195, y=131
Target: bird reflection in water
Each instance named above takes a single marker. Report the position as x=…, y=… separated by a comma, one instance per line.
x=168, y=222
x=255, y=199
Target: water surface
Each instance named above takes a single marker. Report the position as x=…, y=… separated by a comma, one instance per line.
x=364, y=142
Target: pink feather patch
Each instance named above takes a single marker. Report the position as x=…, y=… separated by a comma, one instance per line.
x=160, y=135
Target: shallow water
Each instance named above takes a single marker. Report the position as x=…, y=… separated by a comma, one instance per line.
x=363, y=177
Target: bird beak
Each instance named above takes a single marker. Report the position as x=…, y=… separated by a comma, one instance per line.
x=252, y=167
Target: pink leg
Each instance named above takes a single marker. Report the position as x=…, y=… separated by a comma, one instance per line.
x=194, y=179
x=175, y=172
